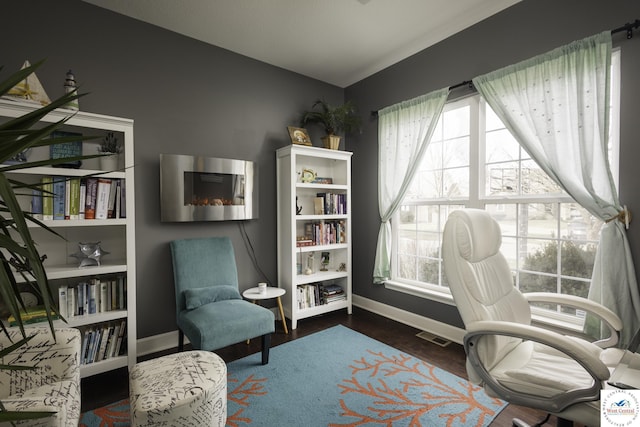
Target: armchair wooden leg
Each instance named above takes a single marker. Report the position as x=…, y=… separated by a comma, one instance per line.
x=180, y=340
x=266, y=344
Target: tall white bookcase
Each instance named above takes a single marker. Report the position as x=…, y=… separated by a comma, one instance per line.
x=116, y=235
x=314, y=223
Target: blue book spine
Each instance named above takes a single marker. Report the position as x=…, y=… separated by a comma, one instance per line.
x=59, y=188
x=36, y=203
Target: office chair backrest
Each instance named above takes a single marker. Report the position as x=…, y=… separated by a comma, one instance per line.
x=480, y=279
x=202, y=262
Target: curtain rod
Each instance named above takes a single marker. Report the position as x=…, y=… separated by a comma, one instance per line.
x=628, y=27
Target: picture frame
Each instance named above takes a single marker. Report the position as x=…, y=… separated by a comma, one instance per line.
x=299, y=136
x=66, y=149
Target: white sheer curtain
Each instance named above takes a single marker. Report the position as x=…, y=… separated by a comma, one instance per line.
x=557, y=107
x=404, y=132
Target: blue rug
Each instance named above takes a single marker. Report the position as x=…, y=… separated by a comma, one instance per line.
x=337, y=378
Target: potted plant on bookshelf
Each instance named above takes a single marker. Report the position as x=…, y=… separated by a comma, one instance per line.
x=334, y=119
x=109, y=150
x=19, y=255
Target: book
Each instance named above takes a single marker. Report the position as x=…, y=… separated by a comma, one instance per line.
x=67, y=198
x=90, y=198
x=318, y=205
x=104, y=337
x=74, y=197
x=121, y=337
x=83, y=198
x=63, y=307
x=122, y=293
x=123, y=199
x=47, y=197
x=72, y=304
x=102, y=198
x=114, y=340
x=83, y=349
x=81, y=296
x=113, y=294
x=109, y=342
x=111, y=206
x=32, y=315
x=93, y=297
x=36, y=203
x=118, y=201
x=104, y=296
x=59, y=190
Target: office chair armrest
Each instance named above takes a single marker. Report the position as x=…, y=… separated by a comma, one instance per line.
x=583, y=352
x=611, y=320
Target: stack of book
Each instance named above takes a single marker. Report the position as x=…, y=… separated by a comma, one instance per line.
x=333, y=293
x=31, y=315
x=315, y=294
x=61, y=198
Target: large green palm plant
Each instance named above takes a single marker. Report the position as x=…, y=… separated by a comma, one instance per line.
x=19, y=255
x=16, y=243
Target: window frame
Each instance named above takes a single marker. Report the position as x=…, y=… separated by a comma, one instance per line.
x=477, y=198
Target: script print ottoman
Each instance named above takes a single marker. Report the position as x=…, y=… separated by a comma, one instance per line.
x=179, y=390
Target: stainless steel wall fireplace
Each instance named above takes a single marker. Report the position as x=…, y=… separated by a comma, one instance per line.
x=196, y=188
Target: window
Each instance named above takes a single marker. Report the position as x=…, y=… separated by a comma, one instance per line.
x=474, y=161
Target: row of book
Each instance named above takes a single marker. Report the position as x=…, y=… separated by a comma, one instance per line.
x=96, y=295
x=316, y=294
x=330, y=204
x=104, y=341
x=60, y=198
x=323, y=233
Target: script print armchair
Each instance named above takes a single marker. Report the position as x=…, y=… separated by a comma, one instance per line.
x=209, y=308
x=54, y=384
x=515, y=360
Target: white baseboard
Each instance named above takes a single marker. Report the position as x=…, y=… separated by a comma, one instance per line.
x=168, y=340
x=157, y=343
x=443, y=330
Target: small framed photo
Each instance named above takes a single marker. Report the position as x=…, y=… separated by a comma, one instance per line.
x=299, y=136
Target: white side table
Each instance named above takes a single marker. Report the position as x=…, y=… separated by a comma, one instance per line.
x=254, y=295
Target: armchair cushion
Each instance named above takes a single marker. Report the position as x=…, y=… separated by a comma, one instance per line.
x=196, y=297
x=228, y=321
x=54, y=384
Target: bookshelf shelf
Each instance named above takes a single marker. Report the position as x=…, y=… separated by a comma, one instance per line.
x=319, y=213
x=116, y=235
x=91, y=319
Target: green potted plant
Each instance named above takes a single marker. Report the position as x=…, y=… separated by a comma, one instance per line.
x=334, y=119
x=19, y=255
x=110, y=149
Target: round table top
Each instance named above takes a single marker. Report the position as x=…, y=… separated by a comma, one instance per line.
x=254, y=293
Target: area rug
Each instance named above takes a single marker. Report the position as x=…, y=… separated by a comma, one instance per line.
x=338, y=378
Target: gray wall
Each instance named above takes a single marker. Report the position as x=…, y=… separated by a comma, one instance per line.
x=185, y=97
x=524, y=30
x=190, y=98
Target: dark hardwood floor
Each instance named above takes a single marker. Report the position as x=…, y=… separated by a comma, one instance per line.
x=102, y=389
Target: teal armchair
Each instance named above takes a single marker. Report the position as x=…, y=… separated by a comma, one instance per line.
x=209, y=308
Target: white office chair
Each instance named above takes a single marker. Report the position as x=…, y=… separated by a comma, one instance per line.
x=515, y=360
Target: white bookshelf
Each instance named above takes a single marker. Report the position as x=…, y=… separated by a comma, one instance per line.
x=293, y=193
x=117, y=236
